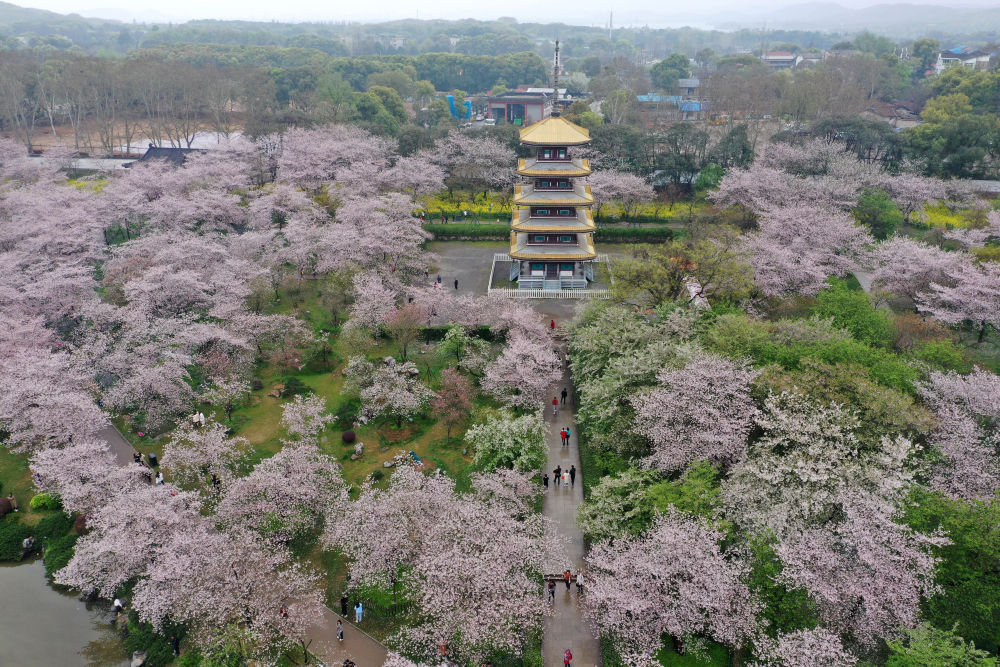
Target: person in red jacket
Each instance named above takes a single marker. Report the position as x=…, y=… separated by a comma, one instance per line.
x=567, y=658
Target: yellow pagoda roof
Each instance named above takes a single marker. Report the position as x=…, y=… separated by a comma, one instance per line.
x=574, y=168
x=555, y=131
x=583, y=221
x=527, y=195
x=583, y=250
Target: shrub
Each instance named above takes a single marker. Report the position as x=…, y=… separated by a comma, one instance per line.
x=142, y=637
x=53, y=526
x=80, y=525
x=852, y=310
x=943, y=354
x=348, y=410
x=295, y=386
x=348, y=437
x=45, y=501
x=58, y=553
x=378, y=475
x=12, y=534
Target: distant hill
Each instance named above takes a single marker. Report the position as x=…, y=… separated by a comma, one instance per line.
x=898, y=20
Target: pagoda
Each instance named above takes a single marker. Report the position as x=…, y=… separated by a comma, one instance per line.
x=552, y=227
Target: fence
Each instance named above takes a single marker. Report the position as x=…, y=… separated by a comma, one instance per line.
x=515, y=293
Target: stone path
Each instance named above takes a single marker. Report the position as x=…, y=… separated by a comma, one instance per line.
x=358, y=645
x=566, y=628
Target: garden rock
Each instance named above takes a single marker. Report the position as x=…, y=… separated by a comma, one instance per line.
x=138, y=658
x=387, y=464
x=359, y=448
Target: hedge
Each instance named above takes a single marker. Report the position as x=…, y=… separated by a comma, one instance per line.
x=45, y=501
x=53, y=526
x=12, y=536
x=492, y=232
x=604, y=219
x=58, y=553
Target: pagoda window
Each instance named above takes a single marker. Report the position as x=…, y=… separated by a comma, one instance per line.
x=565, y=212
x=547, y=154
x=537, y=269
x=566, y=239
x=566, y=269
x=542, y=211
x=539, y=238
x=562, y=153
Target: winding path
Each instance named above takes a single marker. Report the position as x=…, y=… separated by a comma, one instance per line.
x=567, y=628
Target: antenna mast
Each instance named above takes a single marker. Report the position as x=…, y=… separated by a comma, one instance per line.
x=555, y=81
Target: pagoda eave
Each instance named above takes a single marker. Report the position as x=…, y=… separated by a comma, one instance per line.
x=534, y=168
x=519, y=249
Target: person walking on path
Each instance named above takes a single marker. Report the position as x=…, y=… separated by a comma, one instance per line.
x=359, y=612
x=572, y=475
x=439, y=279
x=545, y=481
x=552, y=591
x=552, y=324
x=555, y=406
x=568, y=434
x=557, y=475
x=568, y=576
x=564, y=395
x=456, y=283
x=567, y=658
x=579, y=582
x=340, y=630
x=563, y=436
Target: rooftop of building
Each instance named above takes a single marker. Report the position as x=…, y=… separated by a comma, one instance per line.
x=175, y=156
x=555, y=131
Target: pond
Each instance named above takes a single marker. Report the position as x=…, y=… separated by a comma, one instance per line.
x=44, y=626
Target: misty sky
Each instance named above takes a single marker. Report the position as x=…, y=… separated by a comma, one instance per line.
x=655, y=13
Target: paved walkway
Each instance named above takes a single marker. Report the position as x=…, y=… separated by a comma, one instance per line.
x=358, y=645
x=566, y=628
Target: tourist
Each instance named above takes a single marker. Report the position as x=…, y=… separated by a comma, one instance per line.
x=343, y=605
x=552, y=324
x=427, y=274
x=572, y=475
x=579, y=582
x=556, y=474
x=439, y=278
x=216, y=482
x=555, y=406
x=568, y=434
x=562, y=436
x=117, y=604
x=13, y=502
x=568, y=577
x=175, y=644
x=283, y=611
x=564, y=395
x=359, y=612
x=137, y=457
x=159, y=478
x=545, y=481
x=552, y=591
x=340, y=630
x=456, y=283
x=567, y=658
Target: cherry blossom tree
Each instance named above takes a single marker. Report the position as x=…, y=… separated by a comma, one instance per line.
x=237, y=593
x=129, y=533
x=803, y=648
x=967, y=409
x=970, y=293
x=418, y=529
x=304, y=418
x=807, y=460
x=84, y=474
x=797, y=248
x=867, y=573
x=524, y=373
x=673, y=580
x=374, y=301
x=453, y=401
x=701, y=411
x=388, y=389
x=506, y=441
x=623, y=188
x=475, y=160
x=403, y=325
x=908, y=268
x=194, y=456
x=285, y=497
